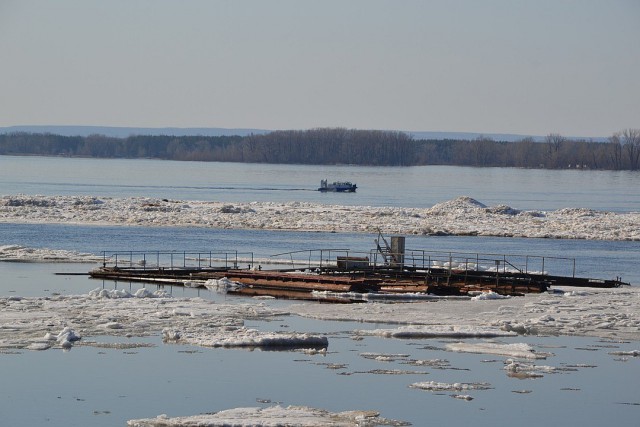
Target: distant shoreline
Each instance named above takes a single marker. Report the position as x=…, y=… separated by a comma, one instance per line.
x=126, y=131
x=335, y=146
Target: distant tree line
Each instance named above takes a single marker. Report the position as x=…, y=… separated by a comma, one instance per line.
x=343, y=146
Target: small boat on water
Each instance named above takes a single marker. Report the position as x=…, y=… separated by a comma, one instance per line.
x=337, y=186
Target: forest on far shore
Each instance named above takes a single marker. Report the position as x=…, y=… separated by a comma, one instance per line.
x=331, y=146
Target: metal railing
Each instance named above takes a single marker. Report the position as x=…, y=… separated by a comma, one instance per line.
x=176, y=259
x=339, y=258
x=428, y=260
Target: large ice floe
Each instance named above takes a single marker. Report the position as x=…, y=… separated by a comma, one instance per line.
x=301, y=416
x=460, y=216
x=59, y=321
x=40, y=323
x=605, y=313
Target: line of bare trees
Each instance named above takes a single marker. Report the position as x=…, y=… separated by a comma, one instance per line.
x=344, y=146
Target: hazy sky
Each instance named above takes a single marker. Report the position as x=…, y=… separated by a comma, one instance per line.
x=508, y=66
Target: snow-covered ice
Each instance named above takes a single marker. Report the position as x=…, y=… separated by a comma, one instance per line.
x=17, y=253
x=24, y=321
x=62, y=320
x=605, y=313
x=460, y=216
x=301, y=416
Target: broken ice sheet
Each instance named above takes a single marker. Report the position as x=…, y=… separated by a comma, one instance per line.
x=462, y=215
x=301, y=416
x=39, y=323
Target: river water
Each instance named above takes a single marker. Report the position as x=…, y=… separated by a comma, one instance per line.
x=106, y=387
x=424, y=186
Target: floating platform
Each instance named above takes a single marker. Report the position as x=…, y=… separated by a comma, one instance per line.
x=335, y=274
x=356, y=279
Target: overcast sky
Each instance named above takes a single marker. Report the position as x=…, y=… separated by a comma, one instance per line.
x=507, y=66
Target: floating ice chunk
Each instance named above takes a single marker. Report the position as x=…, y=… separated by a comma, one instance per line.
x=632, y=353
x=222, y=285
x=301, y=416
x=67, y=337
x=438, y=331
x=462, y=397
x=517, y=350
x=244, y=337
x=489, y=296
x=381, y=357
x=438, y=386
x=525, y=370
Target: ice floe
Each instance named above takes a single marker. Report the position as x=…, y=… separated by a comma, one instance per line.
x=244, y=337
x=517, y=350
x=606, y=313
x=223, y=285
x=440, y=386
x=17, y=253
x=302, y=416
x=24, y=321
x=438, y=331
x=460, y=216
x=516, y=369
x=62, y=319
